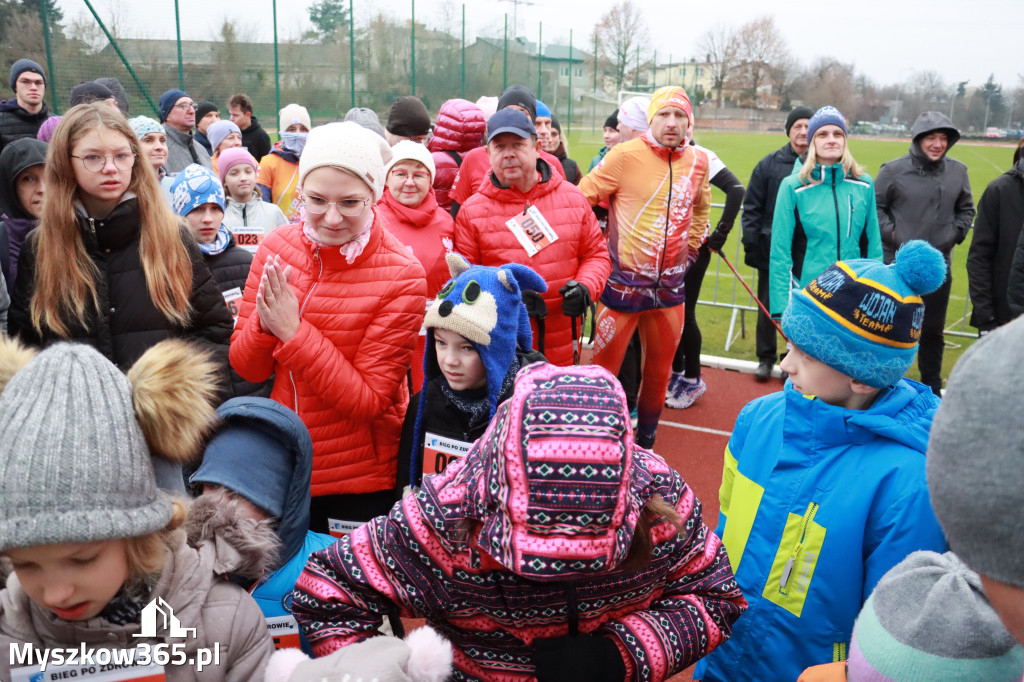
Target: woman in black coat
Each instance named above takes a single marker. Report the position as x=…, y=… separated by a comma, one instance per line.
x=110, y=265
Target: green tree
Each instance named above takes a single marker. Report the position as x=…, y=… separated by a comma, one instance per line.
x=329, y=17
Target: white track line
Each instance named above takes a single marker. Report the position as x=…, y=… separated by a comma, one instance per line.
x=702, y=429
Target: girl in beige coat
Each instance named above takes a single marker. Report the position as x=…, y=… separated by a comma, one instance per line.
x=99, y=562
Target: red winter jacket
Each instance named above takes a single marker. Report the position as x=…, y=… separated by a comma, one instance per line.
x=476, y=169
x=344, y=372
x=580, y=253
x=460, y=128
x=427, y=232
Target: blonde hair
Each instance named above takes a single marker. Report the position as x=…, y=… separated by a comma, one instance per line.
x=65, y=275
x=851, y=168
x=147, y=554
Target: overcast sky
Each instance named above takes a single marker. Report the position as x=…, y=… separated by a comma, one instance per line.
x=886, y=39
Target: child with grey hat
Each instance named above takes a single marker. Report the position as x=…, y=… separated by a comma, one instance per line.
x=976, y=468
x=95, y=545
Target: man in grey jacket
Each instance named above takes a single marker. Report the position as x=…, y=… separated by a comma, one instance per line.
x=924, y=195
x=178, y=114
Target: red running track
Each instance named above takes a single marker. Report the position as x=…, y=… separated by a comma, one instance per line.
x=692, y=442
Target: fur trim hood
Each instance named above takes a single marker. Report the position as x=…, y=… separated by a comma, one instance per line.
x=241, y=545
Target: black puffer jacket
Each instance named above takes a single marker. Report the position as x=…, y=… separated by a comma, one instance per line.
x=996, y=231
x=230, y=268
x=923, y=199
x=127, y=323
x=16, y=123
x=443, y=418
x=759, y=205
x=1015, y=281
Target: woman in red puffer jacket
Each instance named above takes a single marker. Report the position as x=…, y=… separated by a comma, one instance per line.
x=460, y=127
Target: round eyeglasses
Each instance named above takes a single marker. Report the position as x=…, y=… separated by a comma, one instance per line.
x=349, y=208
x=96, y=162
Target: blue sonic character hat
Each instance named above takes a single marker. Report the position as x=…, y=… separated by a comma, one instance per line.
x=864, y=318
x=484, y=305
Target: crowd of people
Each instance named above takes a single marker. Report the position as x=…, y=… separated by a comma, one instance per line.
x=297, y=391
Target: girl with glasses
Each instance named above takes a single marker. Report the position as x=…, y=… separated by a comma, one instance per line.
x=110, y=264
x=332, y=308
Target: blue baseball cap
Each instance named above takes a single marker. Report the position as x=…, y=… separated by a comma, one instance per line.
x=510, y=121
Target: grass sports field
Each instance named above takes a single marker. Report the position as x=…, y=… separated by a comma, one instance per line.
x=741, y=152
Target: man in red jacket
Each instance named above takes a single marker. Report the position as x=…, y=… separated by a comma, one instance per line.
x=527, y=213
x=476, y=167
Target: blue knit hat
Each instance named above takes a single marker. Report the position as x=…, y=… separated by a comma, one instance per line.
x=167, y=101
x=220, y=130
x=928, y=619
x=542, y=110
x=144, y=125
x=21, y=66
x=484, y=305
x=193, y=187
x=864, y=318
x=824, y=117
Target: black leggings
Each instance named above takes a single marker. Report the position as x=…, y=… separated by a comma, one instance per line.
x=687, y=358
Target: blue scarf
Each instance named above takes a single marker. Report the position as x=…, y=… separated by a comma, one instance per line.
x=218, y=245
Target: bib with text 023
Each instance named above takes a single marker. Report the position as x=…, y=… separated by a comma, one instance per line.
x=532, y=230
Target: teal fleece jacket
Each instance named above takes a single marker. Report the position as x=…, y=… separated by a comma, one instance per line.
x=838, y=216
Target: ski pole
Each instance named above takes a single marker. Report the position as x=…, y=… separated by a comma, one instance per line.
x=753, y=295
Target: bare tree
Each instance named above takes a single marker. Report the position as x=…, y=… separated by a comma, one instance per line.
x=721, y=47
x=759, y=47
x=620, y=32
x=784, y=76
x=829, y=81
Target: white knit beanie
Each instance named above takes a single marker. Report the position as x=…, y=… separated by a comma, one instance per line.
x=292, y=114
x=407, y=150
x=347, y=146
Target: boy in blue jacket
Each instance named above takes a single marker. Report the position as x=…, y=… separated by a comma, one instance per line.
x=255, y=492
x=823, y=489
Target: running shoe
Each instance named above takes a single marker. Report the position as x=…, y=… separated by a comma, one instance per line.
x=687, y=395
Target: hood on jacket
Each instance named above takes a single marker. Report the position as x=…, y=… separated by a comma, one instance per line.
x=285, y=154
x=16, y=157
x=273, y=429
x=554, y=481
x=933, y=122
x=460, y=127
x=901, y=413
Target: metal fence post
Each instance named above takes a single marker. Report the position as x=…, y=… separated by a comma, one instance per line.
x=177, y=26
x=277, y=65
x=44, y=18
x=463, y=50
x=412, y=76
x=127, y=65
x=504, y=77
x=568, y=123
x=540, y=53
x=351, y=54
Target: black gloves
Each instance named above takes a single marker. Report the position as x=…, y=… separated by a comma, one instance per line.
x=535, y=305
x=716, y=240
x=575, y=299
x=578, y=658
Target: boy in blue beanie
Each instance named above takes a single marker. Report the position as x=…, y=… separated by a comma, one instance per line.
x=478, y=337
x=255, y=482
x=823, y=489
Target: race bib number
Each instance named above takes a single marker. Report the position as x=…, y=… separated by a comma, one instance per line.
x=532, y=230
x=94, y=672
x=284, y=630
x=233, y=299
x=439, y=452
x=339, y=527
x=249, y=237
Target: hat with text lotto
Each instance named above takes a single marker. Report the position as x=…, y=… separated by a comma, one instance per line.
x=510, y=121
x=74, y=464
x=864, y=318
x=927, y=620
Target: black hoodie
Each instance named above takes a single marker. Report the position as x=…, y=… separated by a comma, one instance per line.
x=923, y=199
x=17, y=222
x=996, y=232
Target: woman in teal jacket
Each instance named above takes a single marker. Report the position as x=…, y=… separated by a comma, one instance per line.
x=824, y=213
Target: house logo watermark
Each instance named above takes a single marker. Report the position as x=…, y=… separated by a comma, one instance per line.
x=143, y=662
x=171, y=624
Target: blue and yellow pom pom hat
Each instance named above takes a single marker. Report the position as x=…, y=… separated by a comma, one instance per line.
x=864, y=318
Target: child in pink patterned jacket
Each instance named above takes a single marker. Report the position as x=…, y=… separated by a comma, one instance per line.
x=555, y=550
